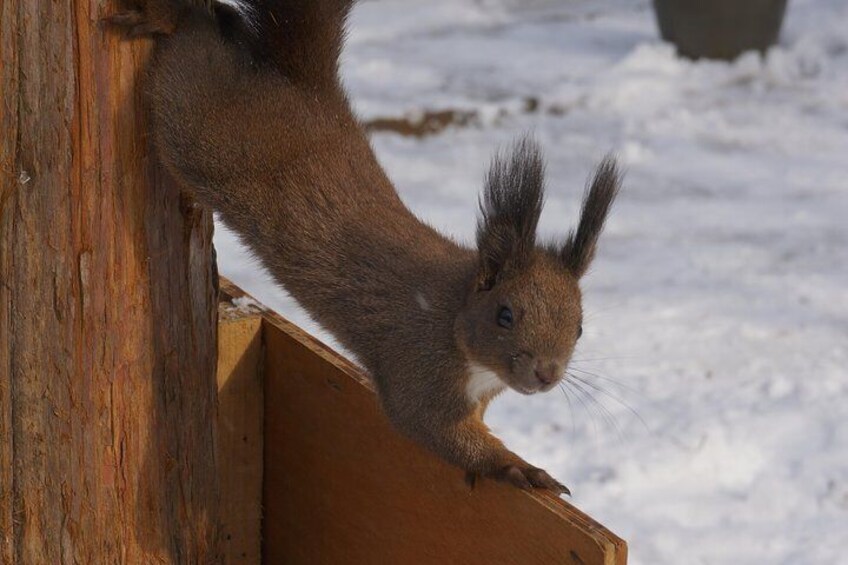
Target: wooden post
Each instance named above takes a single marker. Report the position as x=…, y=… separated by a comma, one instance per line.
x=107, y=309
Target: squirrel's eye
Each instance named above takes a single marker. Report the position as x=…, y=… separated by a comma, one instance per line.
x=579, y=331
x=505, y=317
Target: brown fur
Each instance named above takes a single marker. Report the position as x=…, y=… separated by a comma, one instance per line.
x=254, y=120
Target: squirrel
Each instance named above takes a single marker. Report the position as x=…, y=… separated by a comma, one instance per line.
x=249, y=114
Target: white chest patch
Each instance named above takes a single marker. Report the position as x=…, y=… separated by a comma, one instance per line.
x=481, y=382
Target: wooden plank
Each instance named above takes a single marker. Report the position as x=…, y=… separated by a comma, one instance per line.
x=108, y=308
x=240, y=431
x=341, y=486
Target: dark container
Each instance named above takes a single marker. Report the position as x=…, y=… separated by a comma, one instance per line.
x=720, y=29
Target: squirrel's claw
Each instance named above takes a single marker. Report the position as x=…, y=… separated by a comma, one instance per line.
x=527, y=478
x=541, y=479
x=516, y=477
x=471, y=479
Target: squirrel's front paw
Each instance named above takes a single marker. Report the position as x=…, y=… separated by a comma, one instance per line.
x=527, y=477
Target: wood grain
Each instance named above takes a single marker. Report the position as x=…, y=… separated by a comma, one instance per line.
x=341, y=486
x=108, y=309
x=240, y=430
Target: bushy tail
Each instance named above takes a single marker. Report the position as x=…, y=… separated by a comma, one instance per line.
x=301, y=38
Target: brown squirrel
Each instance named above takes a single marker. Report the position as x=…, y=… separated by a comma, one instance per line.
x=249, y=113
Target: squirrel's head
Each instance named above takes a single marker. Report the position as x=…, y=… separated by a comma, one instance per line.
x=523, y=315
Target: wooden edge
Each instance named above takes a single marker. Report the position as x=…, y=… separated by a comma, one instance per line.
x=240, y=433
x=229, y=292
x=614, y=547
x=571, y=519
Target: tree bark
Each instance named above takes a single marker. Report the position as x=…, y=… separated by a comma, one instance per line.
x=108, y=304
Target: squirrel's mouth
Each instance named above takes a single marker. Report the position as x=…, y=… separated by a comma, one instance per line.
x=521, y=385
x=484, y=380
x=524, y=390
x=527, y=375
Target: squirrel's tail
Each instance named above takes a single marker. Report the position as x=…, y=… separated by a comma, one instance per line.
x=301, y=38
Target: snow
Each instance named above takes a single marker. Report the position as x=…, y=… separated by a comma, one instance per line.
x=246, y=305
x=717, y=308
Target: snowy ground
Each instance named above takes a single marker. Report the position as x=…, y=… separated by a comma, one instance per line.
x=718, y=306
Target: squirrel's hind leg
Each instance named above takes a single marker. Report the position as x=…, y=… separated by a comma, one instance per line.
x=149, y=17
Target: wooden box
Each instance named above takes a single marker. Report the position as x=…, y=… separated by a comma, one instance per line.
x=312, y=472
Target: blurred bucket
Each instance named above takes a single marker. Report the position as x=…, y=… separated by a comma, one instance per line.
x=719, y=29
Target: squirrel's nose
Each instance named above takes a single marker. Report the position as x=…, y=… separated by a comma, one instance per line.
x=548, y=373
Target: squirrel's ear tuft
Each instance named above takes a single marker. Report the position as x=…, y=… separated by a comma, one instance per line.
x=579, y=249
x=509, y=210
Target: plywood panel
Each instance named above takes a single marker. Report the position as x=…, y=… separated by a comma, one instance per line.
x=342, y=487
x=240, y=431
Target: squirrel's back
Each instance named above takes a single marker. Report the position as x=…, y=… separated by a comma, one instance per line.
x=250, y=114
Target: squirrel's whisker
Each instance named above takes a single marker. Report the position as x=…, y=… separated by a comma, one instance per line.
x=615, y=398
x=570, y=406
x=607, y=416
x=616, y=382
